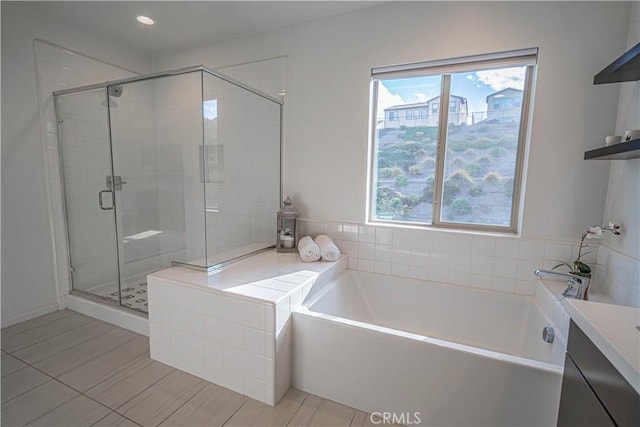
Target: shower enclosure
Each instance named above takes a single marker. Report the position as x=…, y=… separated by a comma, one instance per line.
x=181, y=167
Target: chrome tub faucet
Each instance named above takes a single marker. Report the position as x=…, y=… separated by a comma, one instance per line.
x=577, y=285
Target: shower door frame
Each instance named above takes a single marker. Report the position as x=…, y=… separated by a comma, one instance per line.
x=106, y=85
x=114, y=208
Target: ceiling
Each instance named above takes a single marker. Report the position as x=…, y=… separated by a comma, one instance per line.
x=183, y=24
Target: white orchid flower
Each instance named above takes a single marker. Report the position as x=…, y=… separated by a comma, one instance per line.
x=594, y=233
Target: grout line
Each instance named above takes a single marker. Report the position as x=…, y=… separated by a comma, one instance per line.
x=114, y=412
x=236, y=411
x=188, y=400
x=70, y=313
x=298, y=408
x=49, y=336
x=65, y=349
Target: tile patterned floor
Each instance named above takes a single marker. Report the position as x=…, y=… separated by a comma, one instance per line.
x=67, y=369
x=133, y=296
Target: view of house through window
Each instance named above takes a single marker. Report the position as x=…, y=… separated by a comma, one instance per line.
x=465, y=174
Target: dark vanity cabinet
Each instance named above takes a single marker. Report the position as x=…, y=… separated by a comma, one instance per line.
x=594, y=393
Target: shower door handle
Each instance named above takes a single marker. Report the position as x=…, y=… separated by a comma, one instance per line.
x=100, y=193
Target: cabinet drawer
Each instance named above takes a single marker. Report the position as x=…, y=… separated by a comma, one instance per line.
x=615, y=393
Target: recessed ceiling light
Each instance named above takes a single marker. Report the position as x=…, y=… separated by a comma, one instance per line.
x=145, y=20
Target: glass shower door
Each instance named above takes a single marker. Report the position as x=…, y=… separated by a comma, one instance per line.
x=89, y=203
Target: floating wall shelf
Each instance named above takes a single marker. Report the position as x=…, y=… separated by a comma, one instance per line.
x=621, y=151
x=624, y=69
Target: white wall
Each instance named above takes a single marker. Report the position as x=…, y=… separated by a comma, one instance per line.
x=329, y=62
x=618, y=268
x=28, y=286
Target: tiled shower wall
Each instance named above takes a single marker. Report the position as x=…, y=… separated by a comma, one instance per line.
x=618, y=276
x=504, y=264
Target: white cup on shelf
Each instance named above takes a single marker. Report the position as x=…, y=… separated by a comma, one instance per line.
x=631, y=135
x=613, y=139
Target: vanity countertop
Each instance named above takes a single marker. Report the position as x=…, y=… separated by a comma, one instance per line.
x=614, y=331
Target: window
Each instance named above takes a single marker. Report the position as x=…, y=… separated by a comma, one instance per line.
x=423, y=113
x=409, y=115
x=393, y=116
x=465, y=173
x=497, y=104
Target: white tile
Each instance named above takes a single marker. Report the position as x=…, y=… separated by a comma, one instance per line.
x=384, y=236
x=419, y=258
x=507, y=248
x=503, y=284
x=352, y=263
x=504, y=267
x=481, y=281
x=483, y=246
x=214, y=373
x=334, y=231
x=482, y=265
x=526, y=268
x=187, y=343
x=212, y=328
x=441, y=242
x=457, y=278
x=253, y=366
x=419, y=273
x=366, y=251
x=233, y=380
x=255, y=389
x=283, y=312
x=253, y=341
x=461, y=244
x=269, y=318
x=365, y=265
x=269, y=345
x=460, y=263
x=366, y=234
x=232, y=358
x=231, y=309
x=350, y=232
x=213, y=352
x=532, y=250
x=160, y=333
x=420, y=239
x=383, y=253
x=401, y=238
x=400, y=270
x=401, y=255
x=558, y=251
x=187, y=321
x=232, y=334
x=441, y=276
x=439, y=261
x=382, y=267
x=525, y=287
x=350, y=249
x=253, y=315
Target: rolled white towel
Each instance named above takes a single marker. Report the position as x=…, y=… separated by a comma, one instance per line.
x=308, y=249
x=328, y=249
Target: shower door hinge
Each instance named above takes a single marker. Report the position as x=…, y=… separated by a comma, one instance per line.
x=72, y=269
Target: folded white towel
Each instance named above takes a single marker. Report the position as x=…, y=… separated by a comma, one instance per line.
x=308, y=249
x=328, y=249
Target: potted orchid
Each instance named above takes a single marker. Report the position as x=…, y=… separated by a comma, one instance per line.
x=578, y=267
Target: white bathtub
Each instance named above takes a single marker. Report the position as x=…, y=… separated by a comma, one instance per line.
x=455, y=355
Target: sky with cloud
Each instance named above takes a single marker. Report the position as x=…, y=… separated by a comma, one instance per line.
x=475, y=86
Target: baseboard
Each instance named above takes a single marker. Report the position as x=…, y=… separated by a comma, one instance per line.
x=120, y=317
x=28, y=316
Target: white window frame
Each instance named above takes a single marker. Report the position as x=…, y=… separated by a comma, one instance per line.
x=523, y=57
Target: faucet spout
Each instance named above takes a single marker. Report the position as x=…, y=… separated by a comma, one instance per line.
x=577, y=285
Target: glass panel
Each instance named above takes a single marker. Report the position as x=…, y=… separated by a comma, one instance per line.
x=156, y=133
x=240, y=164
x=86, y=167
x=405, y=148
x=482, y=146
